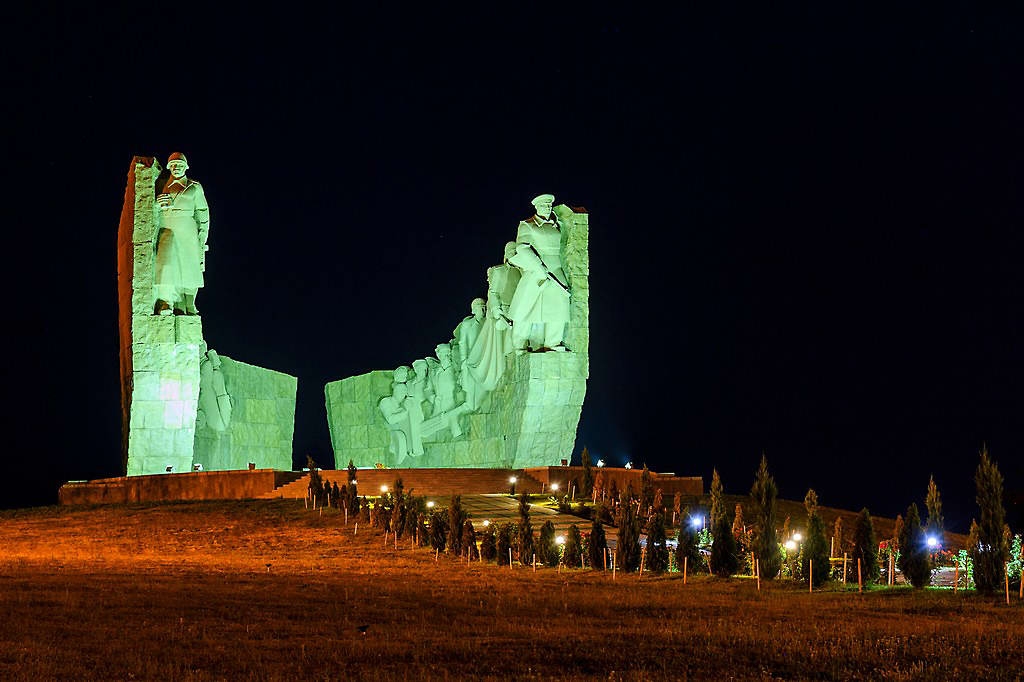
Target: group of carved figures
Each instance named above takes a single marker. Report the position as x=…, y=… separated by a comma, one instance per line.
x=526, y=310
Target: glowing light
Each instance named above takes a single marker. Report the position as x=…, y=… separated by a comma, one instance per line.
x=933, y=542
x=629, y=465
x=430, y=505
x=487, y=522
x=383, y=488
x=798, y=537
x=560, y=540
x=554, y=486
x=695, y=521
x=600, y=462
x=512, y=480
x=790, y=545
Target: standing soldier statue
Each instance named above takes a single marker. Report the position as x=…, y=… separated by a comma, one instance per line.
x=183, y=228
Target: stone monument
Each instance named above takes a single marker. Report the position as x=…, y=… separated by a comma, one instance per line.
x=507, y=390
x=183, y=406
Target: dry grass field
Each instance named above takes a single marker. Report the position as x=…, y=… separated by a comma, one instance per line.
x=269, y=591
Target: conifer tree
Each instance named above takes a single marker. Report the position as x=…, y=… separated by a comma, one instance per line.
x=598, y=545
x=659, y=501
x=547, y=549
x=438, y=530
x=865, y=546
x=613, y=493
x=815, y=548
x=724, y=561
x=598, y=492
x=363, y=507
x=456, y=520
x=990, y=550
x=764, y=542
x=646, y=491
x=587, y=484
x=468, y=541
x=422, y=531
x=677, y=508
x=489, y=544
x=627, y=550
x=914, y=561
x=811, y=502
x=935, y=524
x=351, y=472
x=503, y=544
x=837, y=535
x=573, y=547
x=717, y=502
x=657, y=547
x=526, y=546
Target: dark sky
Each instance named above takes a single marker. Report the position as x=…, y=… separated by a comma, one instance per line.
x=806, y=229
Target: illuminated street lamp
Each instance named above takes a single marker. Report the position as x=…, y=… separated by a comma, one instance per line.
x=933, y=542
x=629, y=465
x=695, y=521
x=430, y=505
x=790, y=545
x=512, y=485
x=487, y=522
x=798, y=537
x=560, y=540
x=600, y=462
x=383, y=488
x=554, y=487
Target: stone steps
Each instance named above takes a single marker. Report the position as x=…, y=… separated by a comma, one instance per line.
x=431, y=482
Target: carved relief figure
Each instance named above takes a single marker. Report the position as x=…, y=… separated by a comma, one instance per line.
x=183, y=229
x=442, y=380
x=465, y=337
x=487, y=357
x=214, y=401
x=540, y=307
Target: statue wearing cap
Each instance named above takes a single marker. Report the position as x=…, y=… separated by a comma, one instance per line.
x=183, y=228
x=540, y=306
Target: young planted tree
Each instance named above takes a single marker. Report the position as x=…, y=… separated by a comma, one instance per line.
x=646, y=491
x=677, y=509
x=525, y=536
x=456, y=521
x=740, y=537
x=598, y=545
x=503, y=544
x=468, y=540
x=724, y=561
x=438, y=530
x=657, y=546
x=659, y=501
x=865, y=546
x=935, y=525
x=488, y=543
x=627, y=550
x=422, y=530
x=363, y=507
x=351, y=473
x=587, y=484
x=573, y=547
x=990, y=550
x=914, y=560
x=547, y=549
x=764, y=541
x=688, y=549
x=814, y=552
x=598, y=492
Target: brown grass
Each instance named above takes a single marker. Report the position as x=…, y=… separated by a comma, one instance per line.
x=183, y=592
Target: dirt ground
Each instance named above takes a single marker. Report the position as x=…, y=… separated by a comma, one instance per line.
x=269, y=590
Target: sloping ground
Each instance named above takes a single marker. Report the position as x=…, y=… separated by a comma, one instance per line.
x=270, y=590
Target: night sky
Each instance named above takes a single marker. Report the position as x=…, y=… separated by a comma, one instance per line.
x=806, y=229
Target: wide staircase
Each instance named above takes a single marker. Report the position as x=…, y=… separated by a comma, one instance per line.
x=429, y=482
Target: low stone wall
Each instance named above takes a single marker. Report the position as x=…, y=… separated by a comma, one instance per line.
x=199, y=485
x=566, y=476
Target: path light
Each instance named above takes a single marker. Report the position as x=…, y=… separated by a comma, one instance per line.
x=554, y=487
x=629, y=465
x=383, y=488
x=600, y=462
x=933, y=542
x=430, y=505
x=790, y=545
x=695, y=521
x=560, y=540
x=487, y=522
x=798, y=537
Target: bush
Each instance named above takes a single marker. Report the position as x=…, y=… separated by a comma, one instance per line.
x=504, y=544
x=547, y=548
x=488, y=544
x=525, y=534
x=456, y=521
x=627, y=550
x=815, y=551
x=657, y=547
x=724, y=561
x=438, y=530
x=687, y=550
x=468, y=541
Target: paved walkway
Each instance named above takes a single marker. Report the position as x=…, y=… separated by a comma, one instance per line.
x=501, y=509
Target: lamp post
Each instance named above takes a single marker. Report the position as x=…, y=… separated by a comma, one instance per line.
x=512, y=485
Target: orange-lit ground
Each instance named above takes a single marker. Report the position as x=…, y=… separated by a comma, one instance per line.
x=269, y=590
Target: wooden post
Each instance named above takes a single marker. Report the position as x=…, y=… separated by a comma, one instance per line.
x=757, y=572
x=956, y=576
x=860, y=579
x=643, y=553
x=346, y=516
x=356, y=531
x=613, y=567
x=436, y=552
x=574, y=493
x=385, y=537
x=534, y=563
x=510, y=558
x=686, y=559
x=1006, y=573
x=605, y=554
x=844, y=569
x=832, y=548
x=810, y=575
x=581, y=561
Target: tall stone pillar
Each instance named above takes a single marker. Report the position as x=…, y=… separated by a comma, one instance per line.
x=159, y=355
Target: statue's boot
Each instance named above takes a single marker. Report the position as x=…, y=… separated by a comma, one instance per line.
x=190, y=304
x=162, y=307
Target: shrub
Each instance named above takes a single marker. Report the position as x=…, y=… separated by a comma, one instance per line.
x=456, y=520
x=547, y=549
x=865, y=546
x=657, y=547
x=468, y=540
x=687, y=550
x=724, y=561
x=503, y=543
x=488, y=544
x=525, y=534
x=597, y=545
x=438, y=530
x=914, y=560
